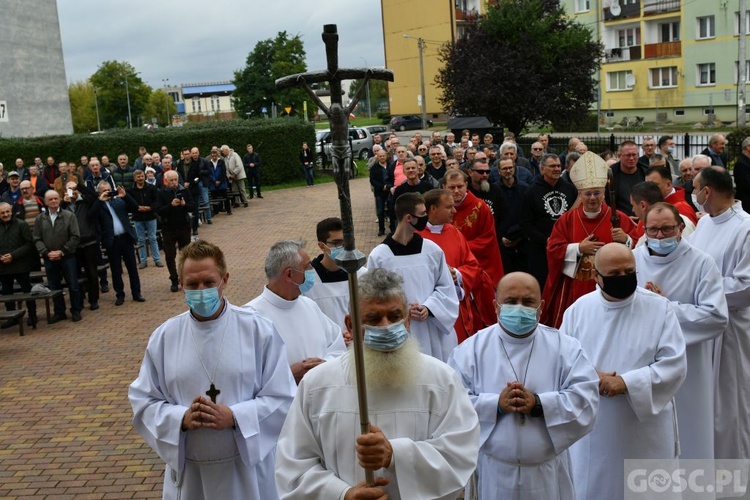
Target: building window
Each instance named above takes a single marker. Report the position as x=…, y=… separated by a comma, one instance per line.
x=707, y=74
x=215, y=103
x=196, y=104
x=705, y=27
x=679, y=112
x=629, y=37
x=737, y=23
x=231, y=103
x=618, y=81
x=662, y=78
x=737, y=72
x=610, y=114
x=708, y=111
x=583, y=5
x=669, y=32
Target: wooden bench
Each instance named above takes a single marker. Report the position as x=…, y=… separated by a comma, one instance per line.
x=20, y=298
x=17, y=315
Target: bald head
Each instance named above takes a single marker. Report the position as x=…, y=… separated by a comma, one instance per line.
x=614, y=259
x=519, y=288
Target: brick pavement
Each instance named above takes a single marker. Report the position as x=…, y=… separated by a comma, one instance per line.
x=65, y=429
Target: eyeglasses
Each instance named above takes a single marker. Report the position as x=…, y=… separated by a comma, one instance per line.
x=481, y=172
x=480, y=160
x=537, y=149
x=667, y=231
x=553, y=165
x=335, y=243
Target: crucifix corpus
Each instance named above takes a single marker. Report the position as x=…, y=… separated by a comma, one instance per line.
x=351, y=259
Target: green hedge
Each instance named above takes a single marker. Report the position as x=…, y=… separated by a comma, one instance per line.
x=277, y=141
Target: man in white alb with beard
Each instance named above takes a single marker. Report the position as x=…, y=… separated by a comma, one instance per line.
x=424, y=434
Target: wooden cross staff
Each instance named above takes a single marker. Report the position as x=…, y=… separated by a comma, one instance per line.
x=351, y=259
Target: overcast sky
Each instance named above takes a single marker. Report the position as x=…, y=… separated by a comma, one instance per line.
x=191, y=41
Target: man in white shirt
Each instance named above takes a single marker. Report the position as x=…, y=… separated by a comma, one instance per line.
x=424, y=434
x=310, y=336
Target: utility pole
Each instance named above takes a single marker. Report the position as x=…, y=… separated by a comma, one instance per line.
x=742, y=70
x=165, y=81
x=96, y=104
x=127, y=94
x=420, y=44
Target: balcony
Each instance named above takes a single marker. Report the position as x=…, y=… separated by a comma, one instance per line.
x=467, y=15
x=621, y=54
x=653, y=7
x=665, y=49
x=626, y=11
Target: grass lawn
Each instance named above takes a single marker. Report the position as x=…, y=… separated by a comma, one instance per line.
x=320, y=178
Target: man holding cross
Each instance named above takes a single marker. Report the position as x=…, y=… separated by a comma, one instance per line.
x=213, y=390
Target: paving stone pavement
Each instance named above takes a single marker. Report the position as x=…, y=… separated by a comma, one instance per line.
x=65, y=419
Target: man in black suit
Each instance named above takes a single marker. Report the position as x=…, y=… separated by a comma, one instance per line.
x=381, y=181
x=742, y=176
x=118, y=237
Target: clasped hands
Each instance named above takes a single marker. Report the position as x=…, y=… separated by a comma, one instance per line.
x=611, y=384
x=204, y=413
x=516, y=398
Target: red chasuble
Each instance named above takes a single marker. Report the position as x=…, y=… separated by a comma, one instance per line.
x=561, y=291
x=678, y=200
x=458, y=255
x=475, y=221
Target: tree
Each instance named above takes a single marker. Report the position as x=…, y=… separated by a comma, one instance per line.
x=255, y=84
x=523, y=62
x=378, y=93
x=161, y=107
x=82, y=106
x=109, y=80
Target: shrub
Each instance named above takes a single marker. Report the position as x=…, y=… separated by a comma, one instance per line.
x=277, y=141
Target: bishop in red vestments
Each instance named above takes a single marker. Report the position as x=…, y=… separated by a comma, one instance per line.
x=576, y=237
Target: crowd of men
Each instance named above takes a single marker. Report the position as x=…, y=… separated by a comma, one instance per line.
x=481, y=368
x=67, y=218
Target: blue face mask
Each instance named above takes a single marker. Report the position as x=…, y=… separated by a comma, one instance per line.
x=518, y=319
x=664, y=246
x=309, y=281
x=386, y=338
x=203, y=303
x=335, y=252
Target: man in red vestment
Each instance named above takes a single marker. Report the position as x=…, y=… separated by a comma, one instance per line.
x=475, y=221
x=662, y=178
x=576, y=237
x=468, y=277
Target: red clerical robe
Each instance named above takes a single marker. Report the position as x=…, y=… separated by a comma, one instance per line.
x=476, y=222
x=678, y=200
x=561, y=290
x=458, y=255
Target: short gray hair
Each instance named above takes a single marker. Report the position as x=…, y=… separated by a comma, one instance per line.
x=508, y=145
x=103, y=183
x=656, y=157
x=702, y=158
x=224, y=147
x=283, y=254
x=381, y=285
x=746, y=142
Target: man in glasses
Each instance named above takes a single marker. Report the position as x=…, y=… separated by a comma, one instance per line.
x=436, y=168
x=535, y=162
x=645, y=195
x=481, y=187
x=626, y=173
x=577, y=236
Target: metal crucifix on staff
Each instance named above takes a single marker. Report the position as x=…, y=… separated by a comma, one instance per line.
x=351, y=259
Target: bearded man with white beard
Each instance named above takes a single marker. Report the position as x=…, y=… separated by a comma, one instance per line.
x=492, y=194
x=424, y=433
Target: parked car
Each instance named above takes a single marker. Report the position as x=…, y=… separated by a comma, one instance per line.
x=360, y=140
x=408, y=122
x=376, y=129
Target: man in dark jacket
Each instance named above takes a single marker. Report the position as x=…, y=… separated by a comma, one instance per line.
x=252, y=162
x=204, y=174
x=189, y=170
x=123, y=174
x=381, y=180
x=174, y=206
x=118, y=237
x=544, y=202
x=56, y=237
x=219, y=183
x=145, y=218
x=17, y=255
x=78, y=199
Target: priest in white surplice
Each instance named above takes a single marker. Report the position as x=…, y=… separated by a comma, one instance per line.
x=724, y=234
x=213, y=390
x=668, y=265
x=424, y=435
x=311, y=337
x=634, y=340
x=535, y=393
x=430, y=291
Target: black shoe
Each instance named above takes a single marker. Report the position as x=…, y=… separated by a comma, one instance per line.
x=259, y=196
x=77, y=317
x=120, y=301
x=381, y=232
x=32, y=321
x=195, y=232
x=139, y=298
x=174, y=288
x=56, y=319
x=94, y=306
x=104, y=288
x=245, y=205
x=9, y=324
x=209, y=221
x=229, y=213
x=236, y=205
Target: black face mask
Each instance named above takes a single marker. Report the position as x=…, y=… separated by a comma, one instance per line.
x=619, y=287
x=421, y=222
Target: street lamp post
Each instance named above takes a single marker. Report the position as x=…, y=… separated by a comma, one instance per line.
x=96, y=104
x=127, y=94
x=367, y=91
x=420, y=45
x=165, y=81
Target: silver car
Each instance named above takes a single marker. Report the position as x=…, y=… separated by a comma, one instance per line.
x=359, y=138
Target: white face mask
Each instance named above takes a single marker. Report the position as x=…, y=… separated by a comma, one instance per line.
x=698, y=206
